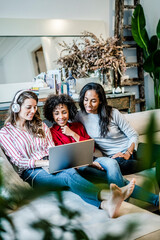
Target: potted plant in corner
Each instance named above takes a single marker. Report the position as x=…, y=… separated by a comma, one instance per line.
x=151, y=49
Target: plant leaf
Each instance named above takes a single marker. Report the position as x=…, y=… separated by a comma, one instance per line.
x=156, y=58
x=149, y=64
x=158, y=29
x=138, y=28
x=153, y=44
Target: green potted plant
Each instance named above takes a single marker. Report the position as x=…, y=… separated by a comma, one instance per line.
x=151, y=49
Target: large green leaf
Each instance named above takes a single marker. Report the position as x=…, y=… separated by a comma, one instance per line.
x=149, y=64
x=156, y=58
x=153, y=44
x=158, y=29
x=138, y=28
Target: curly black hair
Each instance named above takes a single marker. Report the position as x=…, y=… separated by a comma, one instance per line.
x=54, y=100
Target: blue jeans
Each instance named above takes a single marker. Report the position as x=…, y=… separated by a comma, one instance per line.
x=128, y=166
x=112, y=174
x=69, y=179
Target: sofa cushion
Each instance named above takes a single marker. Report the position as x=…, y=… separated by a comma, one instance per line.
x=142, y=138
x=140, y=120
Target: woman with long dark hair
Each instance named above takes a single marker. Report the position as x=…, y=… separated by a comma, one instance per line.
x=113, y=135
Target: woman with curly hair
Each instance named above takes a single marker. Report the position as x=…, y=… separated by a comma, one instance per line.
x=61, y=110
x=26, y=140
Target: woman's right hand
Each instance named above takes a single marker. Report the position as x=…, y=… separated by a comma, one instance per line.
x=96, y=165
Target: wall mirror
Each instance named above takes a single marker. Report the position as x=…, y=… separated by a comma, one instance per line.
x=24, y=57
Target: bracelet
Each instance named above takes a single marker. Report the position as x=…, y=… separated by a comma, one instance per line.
x=129, y=152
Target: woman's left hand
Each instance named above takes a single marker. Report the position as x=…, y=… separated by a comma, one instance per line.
x=126, y=156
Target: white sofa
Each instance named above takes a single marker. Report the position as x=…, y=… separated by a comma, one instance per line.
x=95, y=222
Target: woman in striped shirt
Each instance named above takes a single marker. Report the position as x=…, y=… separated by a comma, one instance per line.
x=26, y=141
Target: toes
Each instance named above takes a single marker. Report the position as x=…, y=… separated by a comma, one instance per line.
x=113, y=186
x=133, y=181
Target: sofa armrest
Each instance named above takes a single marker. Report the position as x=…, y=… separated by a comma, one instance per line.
x=10, y=178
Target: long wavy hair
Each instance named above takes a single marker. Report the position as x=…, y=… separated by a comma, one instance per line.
x=34, y=126
x=104, y=110
x=54, y=100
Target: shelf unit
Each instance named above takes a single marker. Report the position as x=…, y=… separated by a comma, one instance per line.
x=122, y=30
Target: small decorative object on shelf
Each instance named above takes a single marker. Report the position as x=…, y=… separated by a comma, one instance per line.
x=118, y=90
x=71, y=82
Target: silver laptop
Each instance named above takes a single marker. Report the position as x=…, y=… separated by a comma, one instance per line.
x=70, y=155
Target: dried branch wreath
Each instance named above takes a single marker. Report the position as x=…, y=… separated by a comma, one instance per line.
x=93, y=54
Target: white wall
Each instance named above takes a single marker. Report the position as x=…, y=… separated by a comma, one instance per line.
x=152, y=15
x=56, y=9
x=64, y=9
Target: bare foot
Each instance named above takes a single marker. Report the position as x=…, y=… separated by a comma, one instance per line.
x=113, y=204
x=128, y=189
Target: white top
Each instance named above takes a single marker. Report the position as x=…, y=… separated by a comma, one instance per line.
x=119, y=137
x=23, y=148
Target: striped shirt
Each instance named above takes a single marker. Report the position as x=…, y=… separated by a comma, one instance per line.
x=23, y=148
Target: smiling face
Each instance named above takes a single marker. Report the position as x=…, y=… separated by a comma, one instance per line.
x=61, y=115
x=28, y=110
x=91, y=102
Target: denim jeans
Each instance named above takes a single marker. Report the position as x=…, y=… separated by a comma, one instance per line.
x=69, y=179
x=128, y=166
x=112, y=174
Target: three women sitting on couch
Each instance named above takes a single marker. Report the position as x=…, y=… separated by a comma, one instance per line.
x=26, y=141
